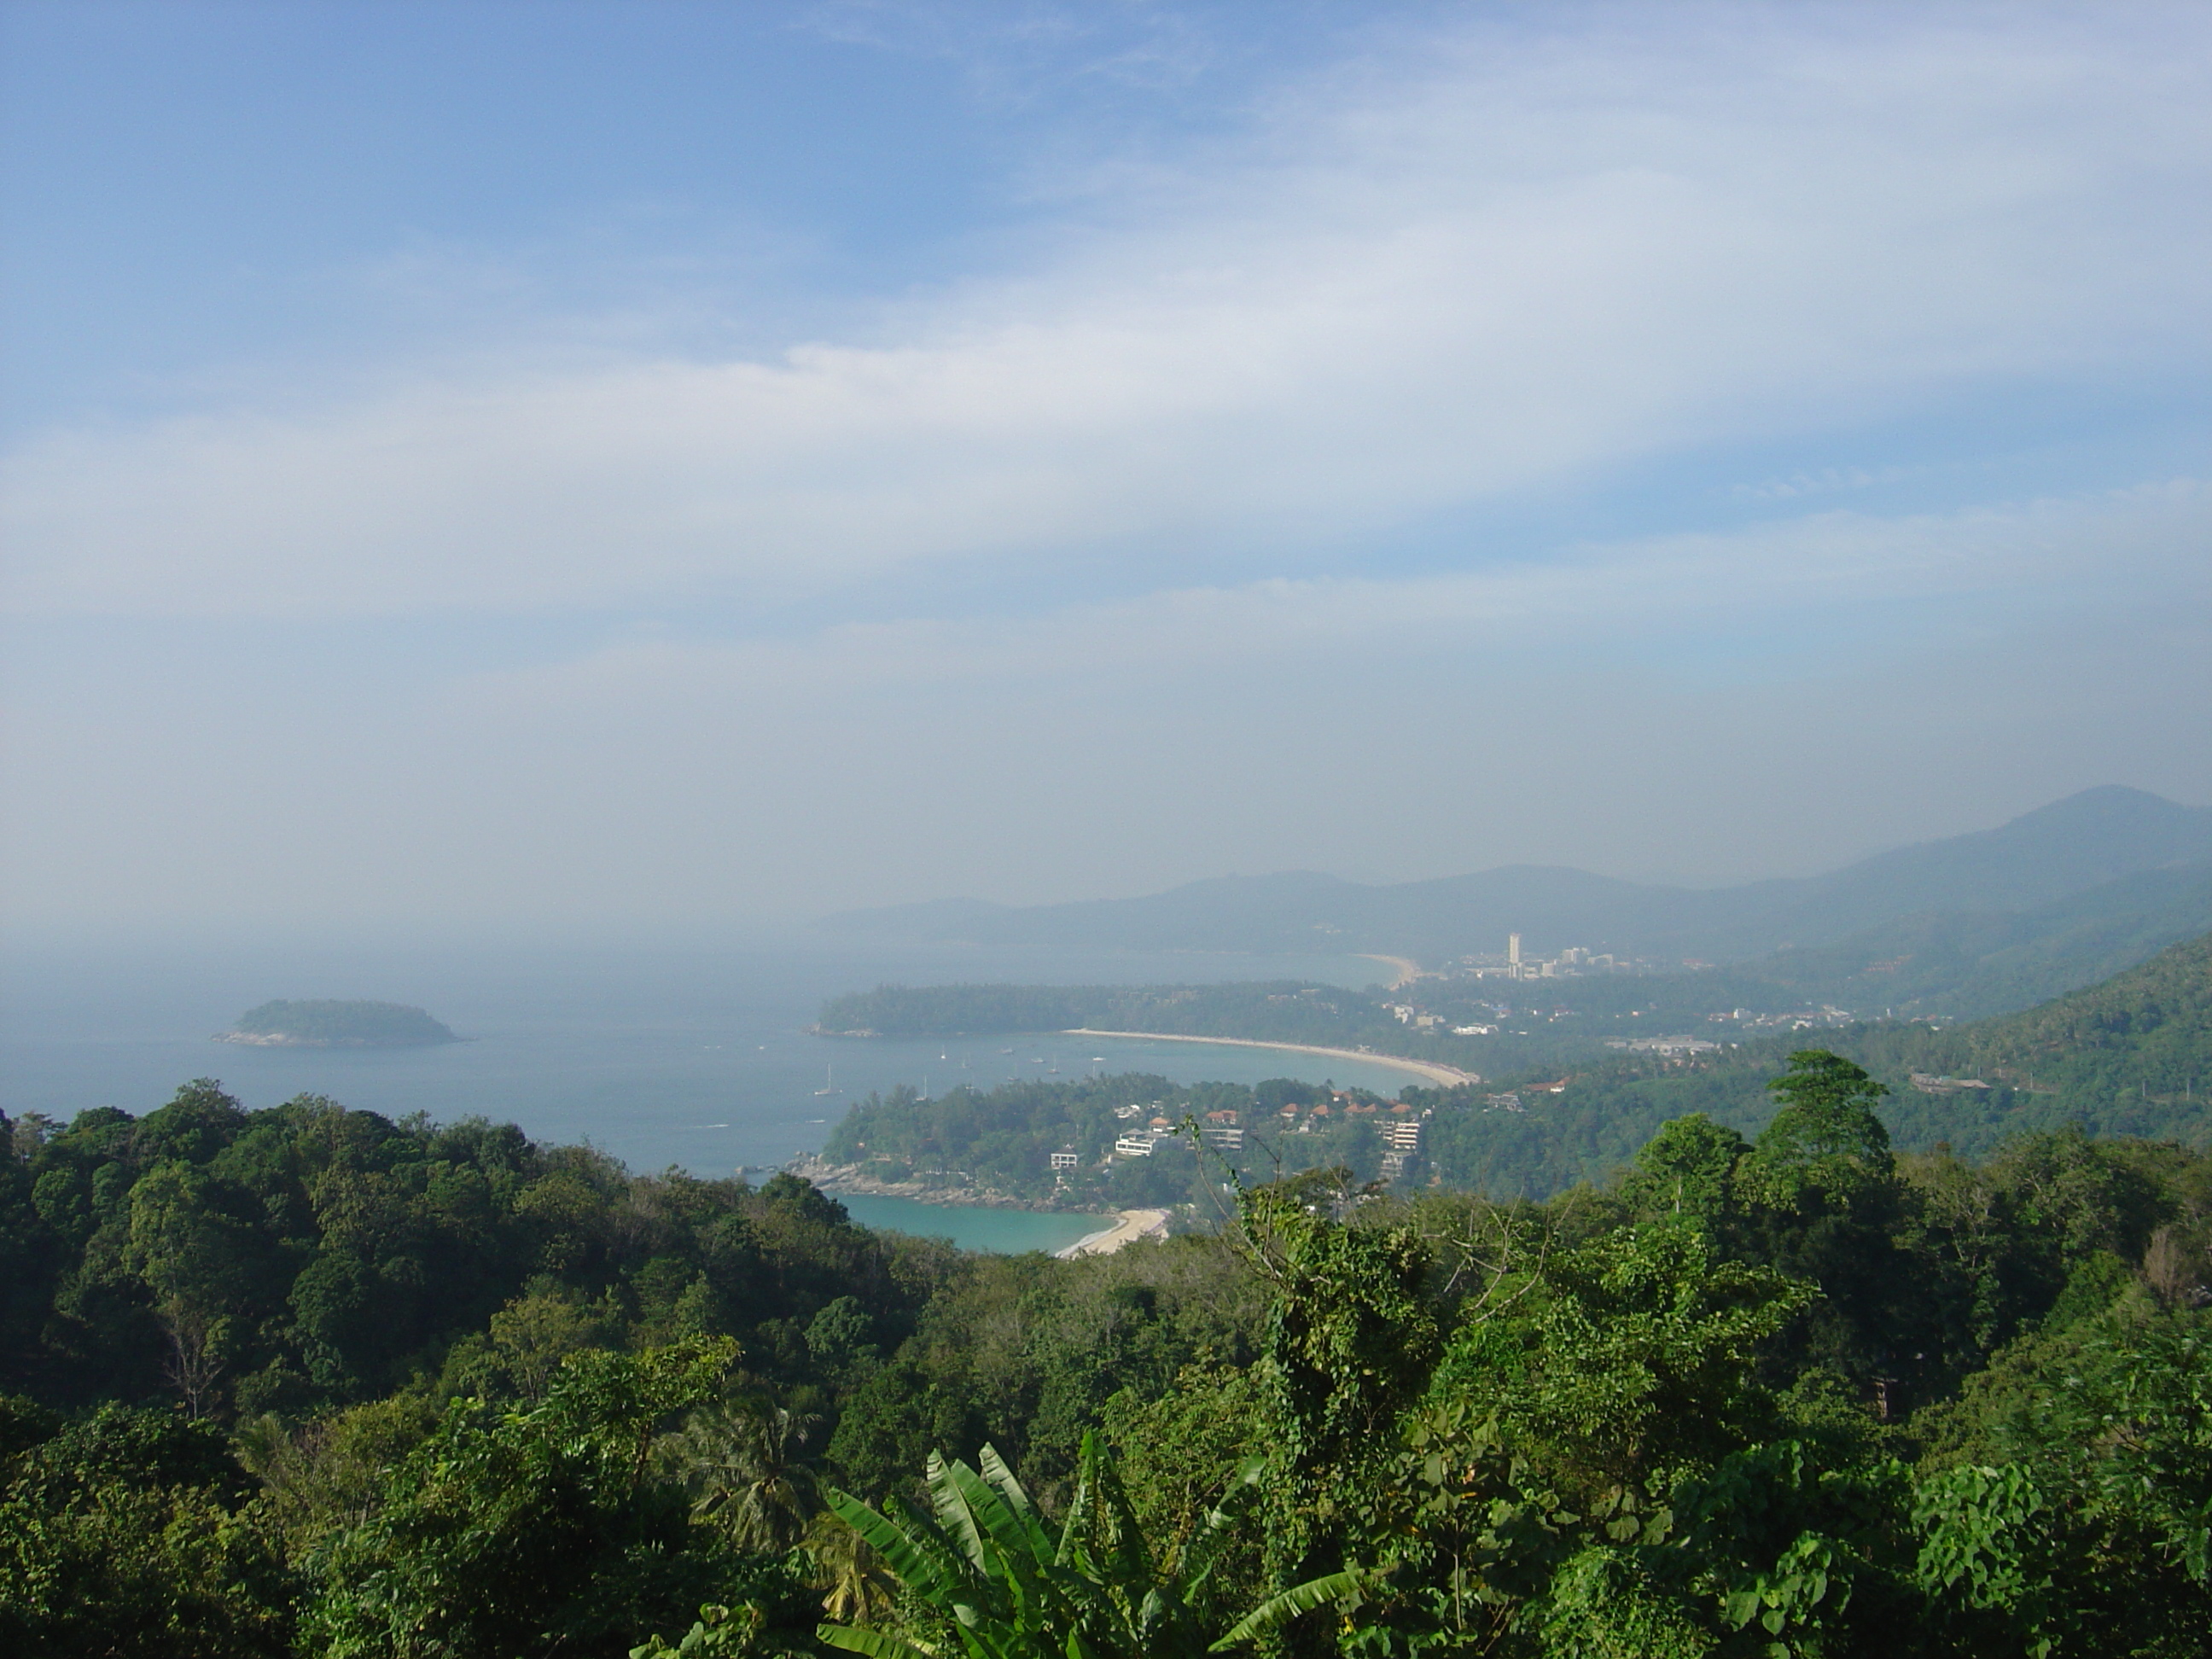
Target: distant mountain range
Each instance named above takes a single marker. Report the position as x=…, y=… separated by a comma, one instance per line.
x=2058, y=897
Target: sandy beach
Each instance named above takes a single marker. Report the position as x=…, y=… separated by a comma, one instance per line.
x=1450, y=1076
x=1408, y=969
x=1129, y=1226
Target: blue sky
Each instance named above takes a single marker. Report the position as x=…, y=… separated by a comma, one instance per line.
x=570, y=466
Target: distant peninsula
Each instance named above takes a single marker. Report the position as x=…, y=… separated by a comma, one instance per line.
x=328, y=1024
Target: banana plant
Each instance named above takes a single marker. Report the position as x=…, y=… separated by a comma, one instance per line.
x=984, y=1560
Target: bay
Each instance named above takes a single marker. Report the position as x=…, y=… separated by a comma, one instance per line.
x=974, y=1226
x=694, y=1056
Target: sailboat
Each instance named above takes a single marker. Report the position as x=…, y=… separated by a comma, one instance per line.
x=829, y=1083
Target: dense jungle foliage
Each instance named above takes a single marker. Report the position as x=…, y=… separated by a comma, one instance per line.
x=305, y=1381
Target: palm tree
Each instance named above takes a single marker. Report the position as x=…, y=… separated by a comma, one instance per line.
x=857, y=1586
x=740, y=1462
x=986, y=1562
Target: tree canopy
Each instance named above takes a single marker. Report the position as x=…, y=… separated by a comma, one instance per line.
x=309, y=1381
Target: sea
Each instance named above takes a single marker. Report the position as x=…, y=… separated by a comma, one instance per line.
x=696, y=1057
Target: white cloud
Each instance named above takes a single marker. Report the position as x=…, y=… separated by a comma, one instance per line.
x=1407, y=291
x=1190, y=415
x=1781, y=698
x=1961, y=576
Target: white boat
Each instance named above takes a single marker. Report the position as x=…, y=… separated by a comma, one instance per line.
x=829, y=1085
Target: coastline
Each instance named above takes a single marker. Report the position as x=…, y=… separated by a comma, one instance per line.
x=279, y=1040
x=1122, y=1228
x=1435, y=1072
x=834, y=1178
x=1408, y=969
x=1129, y=1226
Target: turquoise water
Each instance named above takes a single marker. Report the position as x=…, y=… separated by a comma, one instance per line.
x=1006, y=1232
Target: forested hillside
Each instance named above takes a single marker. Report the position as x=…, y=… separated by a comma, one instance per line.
x=2148, y=1031
x=1973, y=963
x=2132, y=1056
x=1001, y=1144
x=308, y=1256
x=306, y=1381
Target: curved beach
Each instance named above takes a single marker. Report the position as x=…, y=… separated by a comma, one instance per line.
x=1129, y=1226
x=1406, y=968
x=1450, y=1076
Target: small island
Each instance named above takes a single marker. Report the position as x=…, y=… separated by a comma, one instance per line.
x=332, y=1024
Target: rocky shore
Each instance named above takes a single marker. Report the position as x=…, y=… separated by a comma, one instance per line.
x=852, y=1178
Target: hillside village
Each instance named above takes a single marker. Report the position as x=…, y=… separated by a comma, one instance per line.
x=1397, y=1124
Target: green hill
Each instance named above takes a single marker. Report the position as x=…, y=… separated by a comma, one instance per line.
x=2131, y=1056
x=333, y=1024
x=2144, y=1034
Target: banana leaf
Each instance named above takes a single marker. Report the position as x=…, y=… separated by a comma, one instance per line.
x=1278, y=1610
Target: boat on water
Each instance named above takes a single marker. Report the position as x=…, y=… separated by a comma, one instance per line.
x=829, y=1083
